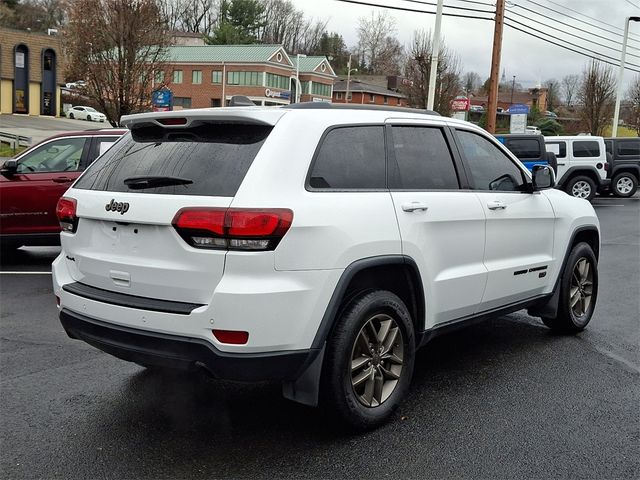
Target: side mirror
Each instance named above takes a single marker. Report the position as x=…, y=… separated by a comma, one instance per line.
x=10, y=167
x=543, y=177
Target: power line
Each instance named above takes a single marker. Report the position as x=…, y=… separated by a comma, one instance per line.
x=577, y=19
x=608, y=61
x=617, y=50
x=468, y=9
x=632, y=4
x=406, y=9
x=600, y=56
x=566, y=24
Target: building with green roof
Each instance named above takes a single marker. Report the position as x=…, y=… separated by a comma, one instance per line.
x=209, y=75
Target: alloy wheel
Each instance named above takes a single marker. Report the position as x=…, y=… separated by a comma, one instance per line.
x=581, y=189
x=624, y=185
x=377, y=360
x=581, y=289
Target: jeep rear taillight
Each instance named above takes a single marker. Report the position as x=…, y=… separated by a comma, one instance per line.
x=66, y=213
x=233, y=228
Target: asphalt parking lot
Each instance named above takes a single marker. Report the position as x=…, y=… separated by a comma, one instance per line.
x=503, y=399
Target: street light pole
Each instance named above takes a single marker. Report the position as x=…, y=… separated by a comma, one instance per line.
x=349, y=70
x=616, y=112
x=513, y=85
x=433, y=73
x=298, y=57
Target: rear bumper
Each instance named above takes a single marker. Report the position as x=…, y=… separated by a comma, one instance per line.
x=151, y=348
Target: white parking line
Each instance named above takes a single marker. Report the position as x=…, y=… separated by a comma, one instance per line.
x=601, y=205
x=25, y=273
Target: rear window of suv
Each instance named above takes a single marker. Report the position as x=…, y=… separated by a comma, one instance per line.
x=586, y=149
x=214, y=157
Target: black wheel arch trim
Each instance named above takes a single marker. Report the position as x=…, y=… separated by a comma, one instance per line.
x=550, y=308
x=331, y=312
x=580, y=170
x=632, y=169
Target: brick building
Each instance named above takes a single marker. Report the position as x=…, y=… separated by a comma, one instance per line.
x=202, y=76
x=367, y=93
x=534, y=98
x=30, y=72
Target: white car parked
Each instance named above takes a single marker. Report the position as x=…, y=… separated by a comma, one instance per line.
x=86, y=113
x=319, y=245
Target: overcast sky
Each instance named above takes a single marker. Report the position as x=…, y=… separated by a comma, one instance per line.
x=530, y=59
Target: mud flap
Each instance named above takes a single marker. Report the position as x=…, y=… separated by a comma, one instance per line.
x=306, y=388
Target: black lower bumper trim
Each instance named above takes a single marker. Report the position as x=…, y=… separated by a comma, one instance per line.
x=130, y=301
x=150, y=348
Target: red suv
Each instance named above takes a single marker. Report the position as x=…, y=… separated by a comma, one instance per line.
x=32, y=183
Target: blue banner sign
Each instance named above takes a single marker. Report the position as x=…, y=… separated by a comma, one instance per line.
x=519, y=108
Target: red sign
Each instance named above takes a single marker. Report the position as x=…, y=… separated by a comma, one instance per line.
x=460, y=104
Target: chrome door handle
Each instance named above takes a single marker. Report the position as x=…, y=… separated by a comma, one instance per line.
x=496, y=205
x=415, y=206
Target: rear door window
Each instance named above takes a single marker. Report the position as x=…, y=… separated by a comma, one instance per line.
x=583, y=149
x=422, y=160
x=524, y=148
x=629, y=147
x=350, y=158
x=213, y=157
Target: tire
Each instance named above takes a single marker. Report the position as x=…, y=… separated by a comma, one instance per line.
x=88, y=118
x=581, y=187
x=624, y=185
x=71, y=117
x=574, y=319
x=369, y=403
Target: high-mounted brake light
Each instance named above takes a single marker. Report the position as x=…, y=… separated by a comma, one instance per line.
x=233, y=228
x=173, y=121
x=66, y=213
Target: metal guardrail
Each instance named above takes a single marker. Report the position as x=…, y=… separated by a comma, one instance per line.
x=15, y=141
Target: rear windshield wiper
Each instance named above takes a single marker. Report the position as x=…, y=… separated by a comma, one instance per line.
x=147, y=181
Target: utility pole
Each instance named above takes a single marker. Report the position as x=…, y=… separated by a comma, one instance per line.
x=495, y=67
x=616, y=112
x=433, y=73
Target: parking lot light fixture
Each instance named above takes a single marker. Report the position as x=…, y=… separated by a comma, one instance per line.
x=616, y=113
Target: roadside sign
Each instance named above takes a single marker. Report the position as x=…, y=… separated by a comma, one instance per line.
x=161, y=99
x=518, y=123
x=519, y=108
x=460, y=104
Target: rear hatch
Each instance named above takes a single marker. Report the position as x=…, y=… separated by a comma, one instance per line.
x=128, y=200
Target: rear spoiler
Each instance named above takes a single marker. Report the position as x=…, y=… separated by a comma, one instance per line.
x=191, y=118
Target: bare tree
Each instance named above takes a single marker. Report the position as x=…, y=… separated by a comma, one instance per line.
x=380, y=52
x=286, y=25
x=35, y=15
x=633, y=97
x=596, y=95
x=417, y=69
x=553, y=93
x=570, y=84
x=117, y=47
x=471, y=82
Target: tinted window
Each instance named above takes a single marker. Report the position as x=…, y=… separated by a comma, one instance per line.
x=559, y=148
x=423, y=160
x=490, y=168
x=522, y=148
x=57, y=156
x=608, y=145
x=586, y=149
x=350, y=157
x=629, y=147
x=214, y=157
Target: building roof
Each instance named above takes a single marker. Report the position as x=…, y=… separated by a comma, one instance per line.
x=358, y=86
x=314, y=64
x=226, y=53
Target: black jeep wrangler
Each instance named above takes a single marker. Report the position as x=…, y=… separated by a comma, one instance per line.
x=624, y=165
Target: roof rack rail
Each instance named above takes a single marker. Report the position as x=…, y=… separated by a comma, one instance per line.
x=351, y=106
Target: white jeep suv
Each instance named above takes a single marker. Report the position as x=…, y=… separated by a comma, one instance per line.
x=314, y=245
